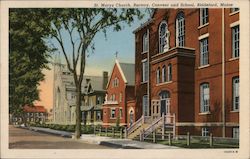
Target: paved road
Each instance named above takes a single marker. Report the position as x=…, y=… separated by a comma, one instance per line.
x=25, y=139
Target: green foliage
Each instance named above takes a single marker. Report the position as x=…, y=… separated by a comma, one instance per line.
x=28, y=55
x=82, y=25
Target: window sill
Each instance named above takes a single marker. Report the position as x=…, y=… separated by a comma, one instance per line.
x=159, y=84
x=144, y=82
x=204, y=66
x=201, y=26
x=112, y=118
x=234, y=58
x=233, y=13
x=205, y=113
x=234, y=111
x=144, y=52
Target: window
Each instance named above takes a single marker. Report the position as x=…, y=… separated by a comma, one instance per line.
x=164, y=75
x=120, y=97
x=145, y=42
x=115, y=82
x=169, y=72
x=99, y=100
x=204, y=99
x=145, y=105
x=112, y=113
x=236, y=96
x=204, y=132
x=163, y=37
x=98, y=115
x=203, y=16
x=236, y=41
x=144, y=70
x=236, y=133
x=234, y=10
x=112, y=97
x=204, y=52
x=180, y=29
x=158, y=75
x=120, y=113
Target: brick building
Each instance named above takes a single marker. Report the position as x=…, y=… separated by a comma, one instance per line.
x=188, y=61
x=31, y=114
x=118, y=107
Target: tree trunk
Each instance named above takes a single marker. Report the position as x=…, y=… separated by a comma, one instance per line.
x=78, y=111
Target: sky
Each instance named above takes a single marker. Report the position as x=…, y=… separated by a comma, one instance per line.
x=102, y=59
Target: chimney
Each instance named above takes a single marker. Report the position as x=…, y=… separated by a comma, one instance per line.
x=104, y=79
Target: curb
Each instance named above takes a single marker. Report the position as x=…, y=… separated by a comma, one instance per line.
x=109, y=144
x=51, y=133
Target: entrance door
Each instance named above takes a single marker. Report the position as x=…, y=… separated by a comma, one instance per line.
x=165, y=102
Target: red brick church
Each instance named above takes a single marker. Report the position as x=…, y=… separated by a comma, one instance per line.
x=187, y=69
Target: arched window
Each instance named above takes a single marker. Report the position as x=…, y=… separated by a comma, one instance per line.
x=170, y=72
x=158, y=75
x=180, y=29
x=163, y=37
x=164, y=75
x=145, y=42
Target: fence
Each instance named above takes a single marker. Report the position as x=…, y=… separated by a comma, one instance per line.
x=191, y=141
x=109, y=132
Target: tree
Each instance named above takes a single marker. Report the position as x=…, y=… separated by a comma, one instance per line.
x=28, y=55
x=82, y=25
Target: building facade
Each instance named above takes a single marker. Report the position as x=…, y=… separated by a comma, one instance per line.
x=93, y=98
x=64, y=101
x=188, y=60
x=118, y=108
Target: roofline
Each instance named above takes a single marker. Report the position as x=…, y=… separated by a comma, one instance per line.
x=143, y=25
x=120, y=70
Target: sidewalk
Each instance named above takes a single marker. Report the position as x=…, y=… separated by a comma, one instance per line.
x=122, y=143
x=106, y=141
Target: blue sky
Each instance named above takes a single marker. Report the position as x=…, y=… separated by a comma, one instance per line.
x=103, y=57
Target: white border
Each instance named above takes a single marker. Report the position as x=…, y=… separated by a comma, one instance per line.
x=120, y=153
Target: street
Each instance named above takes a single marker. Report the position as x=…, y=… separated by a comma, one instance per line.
x=25, y=139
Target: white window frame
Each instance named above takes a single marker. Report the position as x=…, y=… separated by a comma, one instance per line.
x=204, y=132
x=236, y=133
x=158, y=75
x=112, y=113
x=180, y=30
x=170, y=72
x=162, y=37
x=164, y=74
x=204, y=98
x=236, y=95
x=204, y=13
x=236, y=41
x=145, y=105
x=204, y=53
x=145, y=42
x=144, y=70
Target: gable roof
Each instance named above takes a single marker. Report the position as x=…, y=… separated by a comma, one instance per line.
x=34, y=109
x=127, y=71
